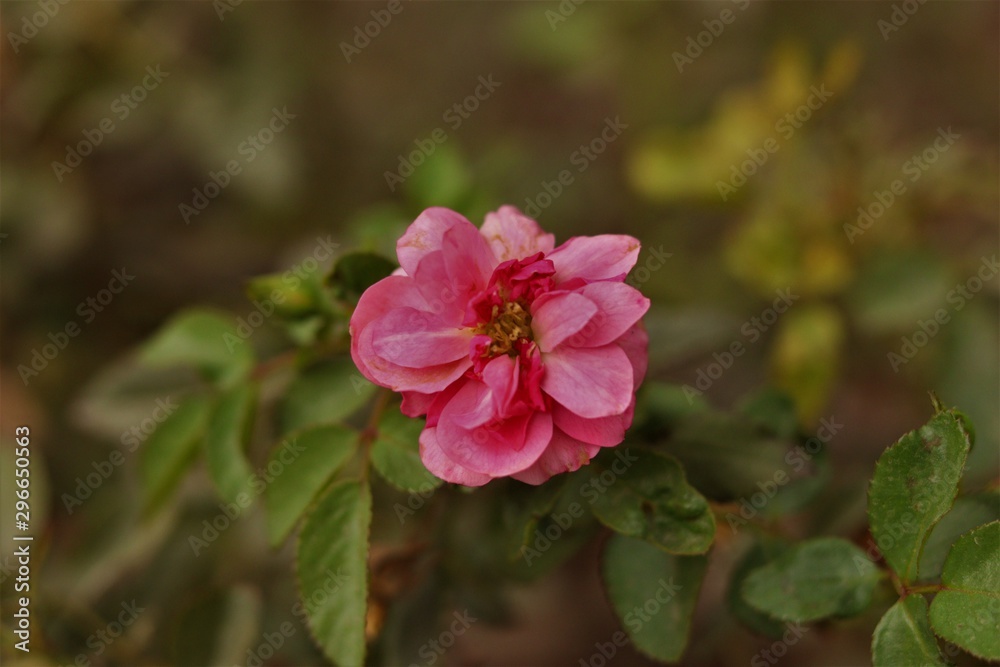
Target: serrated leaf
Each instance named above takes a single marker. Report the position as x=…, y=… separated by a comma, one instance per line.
x=324, y=394
x=305, y=460
x=904, y=637
x=225, y=442
x=760, y=553
x=967, y=612
x=332, y=563
x=357, y=271
x=644, y=494
x=653, y=593
x=170, y=449
x=915, y=484
x=396, y=453
x=816, y=579
x=204, y=340
x=967, y=513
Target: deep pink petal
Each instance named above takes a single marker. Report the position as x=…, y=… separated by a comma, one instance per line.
x=471, y=406
x=440, y=295
x=619, y=306
x=377, y=300
x=635, y=343
x=511, y=235
x=425, y=234
x=468, y=260
x=438, y=463
x=564, y=454
x=602, y=431
x=495, y=448
x=417, y=339
x=501, y=376
x=592, y=382
x=400, y=378
x=556, y=316
x=416, y=404
x=592, y=258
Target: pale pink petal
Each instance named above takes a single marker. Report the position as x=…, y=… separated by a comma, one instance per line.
x=416, y=339
x=602, y=431
x=592, y=258
x=386, y=294
x=511, y=235
x=424, y=235
x=556, y=316
x=495, y=448
x=619, y=306
x=592, y=382
x=635, y=343
x=564, y=454
x=471, y=406
x=468, y=260
x=444, y=468
x=439, y=293
x=400, y=378
x=501, y=376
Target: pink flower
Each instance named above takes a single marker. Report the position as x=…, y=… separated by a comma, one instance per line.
x=524, y=357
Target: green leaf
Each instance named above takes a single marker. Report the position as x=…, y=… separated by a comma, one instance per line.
x=324, y=394
x=915, y=484
x=813, y=580
x=773, y=410
x=760, y=553
x=204, y=340
x=357, y=271
x=904, y=637
x=967, y=612
x=968, y=513
x=171, y=448
x=333, y=571
x=653, y=593
x=225, y=442
x=299, y=468
x=289, y=296
x=443, y=179
x=396, y=453
x=525, y=507
x=641, y=493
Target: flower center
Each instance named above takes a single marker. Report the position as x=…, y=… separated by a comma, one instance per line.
x=508, y=325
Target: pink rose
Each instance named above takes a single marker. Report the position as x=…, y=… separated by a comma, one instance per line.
x=524, y=358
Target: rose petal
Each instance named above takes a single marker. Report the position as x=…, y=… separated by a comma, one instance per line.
x=556, y=316
x=591, y=258
x=400, y=378
x=501, y=376
x=424, y=235
x=592, y=382
x=603, y=431
x=468, y=260
x=511, y=235
x=564, y=454
x=417, y=339
x=438, y=463
x=619, y=306
x=635, y=343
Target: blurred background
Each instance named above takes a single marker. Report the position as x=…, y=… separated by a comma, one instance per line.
x=817, y=182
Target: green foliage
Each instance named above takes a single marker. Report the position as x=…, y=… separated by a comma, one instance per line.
x=204, y=340
x=396, y=454
x=225, y=442
x=171, y=448
x=813, y=580
x=356, y=272
x=326, y=393
x=761, y=552
x=332, y=562
x=903, y=636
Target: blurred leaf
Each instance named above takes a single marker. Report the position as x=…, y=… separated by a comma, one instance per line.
x=204, y=340
x=653, y=593
x=682, y=333
x=967, y=612
x=896, y=289
x=524, y=507
x=772, y=409
x=356, y=272
x=170, y=449
x=411, y=619
x=305, y=460
x=442, y=180
x=333, y=570
x=238, y=628
x=324, y=394
x=806, y=356
x=904, y=637
x=761, y=553
x=967, y=513
x=644, y=494
x=396, y=453
x=225, y=442
x=813, y=580
x=289, y=296
x=915, y=484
